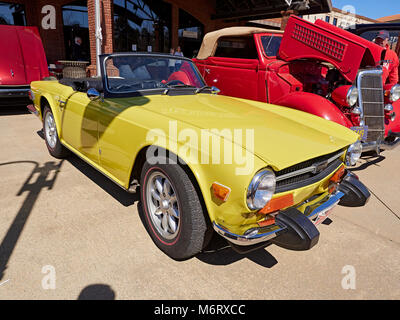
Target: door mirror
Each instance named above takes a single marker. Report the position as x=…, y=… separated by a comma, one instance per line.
x=93, y=94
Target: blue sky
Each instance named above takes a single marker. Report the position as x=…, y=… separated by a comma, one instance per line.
x=371, y=8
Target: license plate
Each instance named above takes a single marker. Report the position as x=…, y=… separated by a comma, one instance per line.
x=362, y=131
x=322, y=216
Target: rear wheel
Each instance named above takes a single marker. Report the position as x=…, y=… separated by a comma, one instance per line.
x=174, y=216
x=56, y=149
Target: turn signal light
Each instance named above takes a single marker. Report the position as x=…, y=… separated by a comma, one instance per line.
x=338, y=175
x=278, y=204
x=220, y=191
x=269, y=221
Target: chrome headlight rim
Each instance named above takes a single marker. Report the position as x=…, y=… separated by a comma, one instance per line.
x=352, y=96
x=254, y=203
x=395, y=93
x=353, y=153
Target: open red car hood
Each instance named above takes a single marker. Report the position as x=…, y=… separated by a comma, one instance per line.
x=325, y=42
x=22, y=57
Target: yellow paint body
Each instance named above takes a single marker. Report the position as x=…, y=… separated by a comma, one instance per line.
x=109, y=134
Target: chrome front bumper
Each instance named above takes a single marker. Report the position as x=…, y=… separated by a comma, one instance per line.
x=263, y=234
x=384, y=145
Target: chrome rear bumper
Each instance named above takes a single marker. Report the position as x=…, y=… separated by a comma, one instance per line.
x=9, y=92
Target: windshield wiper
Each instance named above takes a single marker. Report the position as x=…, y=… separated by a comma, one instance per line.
x=213, y=90
x=199, y=90
x=177, y=86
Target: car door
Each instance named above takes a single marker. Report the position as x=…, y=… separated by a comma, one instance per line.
x=80, y=124
x=234, y=67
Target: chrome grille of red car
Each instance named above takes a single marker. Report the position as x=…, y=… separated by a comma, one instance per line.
x=371, y=101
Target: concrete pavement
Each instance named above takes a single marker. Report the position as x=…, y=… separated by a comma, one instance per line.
x=66, y=232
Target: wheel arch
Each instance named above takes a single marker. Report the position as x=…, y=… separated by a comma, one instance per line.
x=47, y=100
x=140, y=160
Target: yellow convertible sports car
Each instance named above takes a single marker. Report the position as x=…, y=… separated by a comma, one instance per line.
x=254, y=173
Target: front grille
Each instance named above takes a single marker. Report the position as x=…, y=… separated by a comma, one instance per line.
x=307, y=172
x=372, y=103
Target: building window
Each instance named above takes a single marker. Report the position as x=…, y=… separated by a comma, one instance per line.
x=335, y=20
x=76, y=25
x=12, y=14
x=191, y=33
x=142, y=25
x=328, y=19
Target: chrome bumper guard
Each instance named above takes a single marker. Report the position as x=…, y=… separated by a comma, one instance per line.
x=263, y=234
x=384, y=145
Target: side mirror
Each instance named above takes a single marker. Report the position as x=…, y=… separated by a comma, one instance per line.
x=93, y=94
x=215, y=90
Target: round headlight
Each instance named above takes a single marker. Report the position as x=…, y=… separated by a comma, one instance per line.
x=261, y=189
x=352, y=96
x=353, y=153
x=388, y=108
x=395, y=93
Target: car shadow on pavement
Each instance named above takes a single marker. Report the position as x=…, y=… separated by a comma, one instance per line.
x=370, y=160
x=97, y=292
x=220, y=253
x=118, y=193
x=41, y=177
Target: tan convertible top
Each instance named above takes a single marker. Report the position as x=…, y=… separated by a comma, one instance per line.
x=210, y=40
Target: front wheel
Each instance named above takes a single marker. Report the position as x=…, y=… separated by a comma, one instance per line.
x=174, y=216
x=56, y=149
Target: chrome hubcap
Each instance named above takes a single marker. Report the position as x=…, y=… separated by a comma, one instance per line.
x=50, y=130
x=163, y=205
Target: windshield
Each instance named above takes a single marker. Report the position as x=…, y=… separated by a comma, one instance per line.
x=127, y=73
x=271, y=45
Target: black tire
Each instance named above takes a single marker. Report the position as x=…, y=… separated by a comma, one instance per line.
x=57, y=150
x=194, y=230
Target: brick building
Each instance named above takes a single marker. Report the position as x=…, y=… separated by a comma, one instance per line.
x=137, y=25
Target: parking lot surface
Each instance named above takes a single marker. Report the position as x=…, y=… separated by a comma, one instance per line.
x=67, y=232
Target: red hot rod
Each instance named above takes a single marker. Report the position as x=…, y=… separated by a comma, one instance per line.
x=314, y=67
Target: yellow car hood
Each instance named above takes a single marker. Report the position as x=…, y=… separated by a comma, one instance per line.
x=282, y=136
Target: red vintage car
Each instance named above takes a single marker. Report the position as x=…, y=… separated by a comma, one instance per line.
x=314, y=67
x=22, y=60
